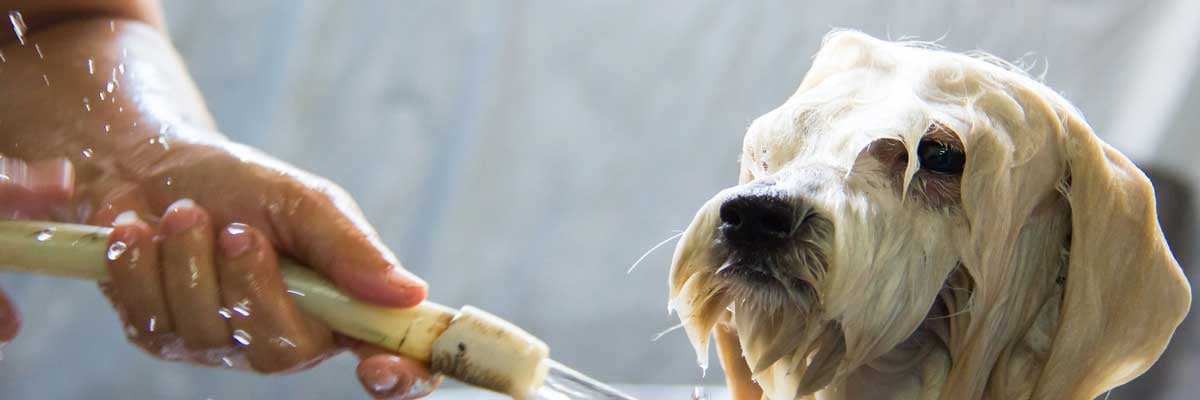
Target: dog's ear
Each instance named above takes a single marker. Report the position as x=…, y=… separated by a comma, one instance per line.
x=1125, y=294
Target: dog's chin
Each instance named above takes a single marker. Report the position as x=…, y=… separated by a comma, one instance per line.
x=788, y=341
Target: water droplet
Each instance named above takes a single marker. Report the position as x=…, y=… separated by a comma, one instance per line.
x=228, y=362
x=153, y=323
x=121, y=68
x=18, y=24
x=101, y=96
x=110, y=86
x=168, y=181
x=294, y=292
x=699, y=394
x=116, y=249
x=87, y=153
x=120, y=109
x=45, y=234
x=282, y=341
x=224, y=313
x=39, y=51
x=87, y=105
x=242, y=307
x=112, y=26
x=107, y=128
x=241, y=337
x=2, y=59
x=91, y=66
x=46, y=79
x=164, y=128
x=162, y=141
x=236, y=229
x=131, y=331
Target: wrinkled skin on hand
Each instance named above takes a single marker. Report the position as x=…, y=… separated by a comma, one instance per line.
x=199, y=220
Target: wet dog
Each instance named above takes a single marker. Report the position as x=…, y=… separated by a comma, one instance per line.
x=920, y=224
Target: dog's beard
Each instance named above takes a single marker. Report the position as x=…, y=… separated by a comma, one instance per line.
x=788, y=340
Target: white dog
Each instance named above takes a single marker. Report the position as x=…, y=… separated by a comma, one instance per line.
x=920, y=224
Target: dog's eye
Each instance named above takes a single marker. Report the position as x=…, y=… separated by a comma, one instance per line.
x=939, y=158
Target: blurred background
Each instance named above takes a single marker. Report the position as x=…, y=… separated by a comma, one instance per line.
x=521, y=155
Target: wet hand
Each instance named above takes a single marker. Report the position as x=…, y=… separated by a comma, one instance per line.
x=198, y=279
x=191, y=289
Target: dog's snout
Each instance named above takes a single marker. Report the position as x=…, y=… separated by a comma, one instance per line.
x=756, y=220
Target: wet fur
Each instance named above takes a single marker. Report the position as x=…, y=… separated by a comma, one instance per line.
x=1040, y=273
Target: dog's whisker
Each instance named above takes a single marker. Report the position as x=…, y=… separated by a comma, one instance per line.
x=652, y=249
x=665, y=332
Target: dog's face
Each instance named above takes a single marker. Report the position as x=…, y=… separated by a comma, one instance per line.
x=892, y=169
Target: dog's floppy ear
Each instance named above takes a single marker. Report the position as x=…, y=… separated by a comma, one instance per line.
x=1124, y=293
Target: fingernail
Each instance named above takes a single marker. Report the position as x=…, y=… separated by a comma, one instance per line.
x=420, y=388
x=380, y=381
x=236, y=240
x=126, y=218
x=380, y=378
x=404, y=278
x=181, y=216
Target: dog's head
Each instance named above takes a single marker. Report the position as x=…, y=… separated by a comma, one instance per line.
x=906, y=196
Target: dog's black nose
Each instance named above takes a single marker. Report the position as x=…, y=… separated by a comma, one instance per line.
x=757, y=220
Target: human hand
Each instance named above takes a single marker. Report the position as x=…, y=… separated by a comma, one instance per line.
x=210, y=257
x=188, y=292
x=142, y=141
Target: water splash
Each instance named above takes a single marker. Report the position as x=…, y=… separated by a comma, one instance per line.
x=116, y=249
x=564, y=383
x=242, y=307
x=241, y=337
x=45, y=234
x=18, y=24
x=283, y=342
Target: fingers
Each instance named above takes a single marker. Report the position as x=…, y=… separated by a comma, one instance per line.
x=190, y=277
x=265, y=324
x=135, y=284
x=327, y=231
x=10, y=320
x=387, y=376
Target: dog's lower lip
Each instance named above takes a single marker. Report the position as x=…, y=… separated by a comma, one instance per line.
x=745, y=269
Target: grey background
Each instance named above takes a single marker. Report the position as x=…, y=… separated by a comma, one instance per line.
x=521, y=155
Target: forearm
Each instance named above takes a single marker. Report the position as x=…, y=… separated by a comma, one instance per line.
x=95, y=79
x=99, y=92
